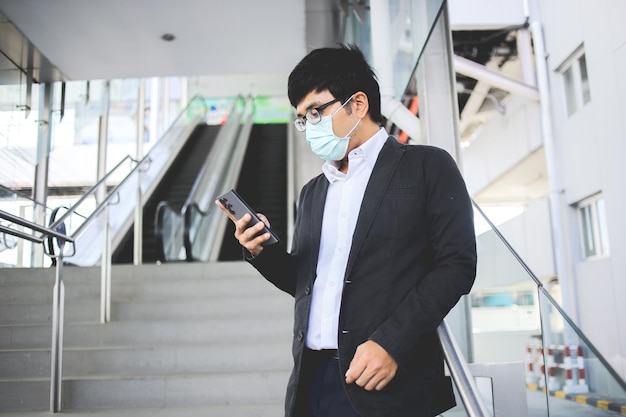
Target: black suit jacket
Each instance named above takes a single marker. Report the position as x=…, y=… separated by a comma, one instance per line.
x=413, y=256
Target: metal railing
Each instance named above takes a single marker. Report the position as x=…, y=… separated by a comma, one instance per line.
x=58, y=295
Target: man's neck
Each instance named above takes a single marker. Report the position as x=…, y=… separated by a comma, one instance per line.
x=367, y=131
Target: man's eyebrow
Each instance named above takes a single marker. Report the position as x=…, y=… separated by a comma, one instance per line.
x=314, y=104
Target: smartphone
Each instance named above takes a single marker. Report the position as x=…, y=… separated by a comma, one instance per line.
x=238, y=207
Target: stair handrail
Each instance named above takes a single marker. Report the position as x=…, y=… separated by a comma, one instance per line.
x=58, y=295
x=579, y=333
x=72, y=209
x=209, y=172
x=229, y=175
x=45, y=231
x=461, y=374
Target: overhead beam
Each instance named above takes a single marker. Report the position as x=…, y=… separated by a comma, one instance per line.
x=481, y=73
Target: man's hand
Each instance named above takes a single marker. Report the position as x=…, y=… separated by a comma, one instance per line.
x=247, y=236
x=372, y=367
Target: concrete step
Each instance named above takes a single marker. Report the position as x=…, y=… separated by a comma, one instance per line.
x=129, y=333
x=220, y=389
x=129, y=273
x=185, y=338
x=41, y=293
x=177, y=309
x=149, y=360
x=259, y=410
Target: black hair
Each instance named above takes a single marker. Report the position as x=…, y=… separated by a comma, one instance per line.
x=342, y=70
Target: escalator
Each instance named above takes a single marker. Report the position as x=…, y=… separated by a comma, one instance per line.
x=262, y=183
x=174, y=188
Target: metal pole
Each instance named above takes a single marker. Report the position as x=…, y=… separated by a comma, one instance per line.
x=556, y=196
x=58, y=307
x=463, y=379
x=141, y=134
x=105, y=272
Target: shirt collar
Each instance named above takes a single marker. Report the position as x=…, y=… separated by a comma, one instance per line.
x=369, y=151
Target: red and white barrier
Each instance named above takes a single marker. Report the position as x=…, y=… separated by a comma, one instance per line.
x=574, y=365
x=562, y=369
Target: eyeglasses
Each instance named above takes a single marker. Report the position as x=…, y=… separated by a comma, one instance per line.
x=312, y=116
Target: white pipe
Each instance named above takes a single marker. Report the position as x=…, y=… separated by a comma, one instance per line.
x=555, y=183
x=391, y=107
x=480, y=72
x=402, y=117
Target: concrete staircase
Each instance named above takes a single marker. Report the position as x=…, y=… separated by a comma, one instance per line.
x=184, y=340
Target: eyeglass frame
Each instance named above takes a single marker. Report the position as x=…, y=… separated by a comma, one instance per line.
x=300, y=122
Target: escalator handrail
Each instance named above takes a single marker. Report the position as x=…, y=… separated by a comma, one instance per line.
x=171, y=139
x=217, y=223
x=158, y=226
x=211, y=166
x=552, y=301
x=198, y=193
x=93, y=189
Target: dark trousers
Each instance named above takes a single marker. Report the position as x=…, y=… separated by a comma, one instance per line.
x=321, y=392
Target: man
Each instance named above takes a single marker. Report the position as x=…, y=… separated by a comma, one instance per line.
x=383, y=248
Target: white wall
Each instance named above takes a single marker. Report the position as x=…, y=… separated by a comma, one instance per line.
x=468, y=15
x=502, y=144
x=592, y=145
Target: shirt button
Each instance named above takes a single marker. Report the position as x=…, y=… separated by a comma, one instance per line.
x=326, y=321
x=332, y=283
x=344, y=214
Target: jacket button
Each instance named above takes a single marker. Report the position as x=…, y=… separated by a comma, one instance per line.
x=300, y=336
x=307, y=290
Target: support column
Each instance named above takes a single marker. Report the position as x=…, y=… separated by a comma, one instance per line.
x=436, y=89
x=141, y=134
x=103, y=136
x=439, y=114
x=40, y=187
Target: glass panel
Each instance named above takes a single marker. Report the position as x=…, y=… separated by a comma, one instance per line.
x=18, y=129
x=579, y=377
x=15, y=252
x=411, y=22
x=584, y=78
x=516, y=322
x=570, y=91
x=586, y=216
x=603, y=230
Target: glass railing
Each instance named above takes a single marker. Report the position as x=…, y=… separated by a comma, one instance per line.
x=529, y=357
x=410, y=22
x=109, y=209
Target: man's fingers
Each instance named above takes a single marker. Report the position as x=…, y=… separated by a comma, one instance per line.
x=372, y=367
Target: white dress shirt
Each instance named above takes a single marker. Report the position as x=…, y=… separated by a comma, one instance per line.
x=343, y=203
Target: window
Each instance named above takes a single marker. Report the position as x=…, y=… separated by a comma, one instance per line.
x=575, y=81
x=594, y=231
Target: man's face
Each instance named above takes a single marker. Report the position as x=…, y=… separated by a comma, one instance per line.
x=342, y=121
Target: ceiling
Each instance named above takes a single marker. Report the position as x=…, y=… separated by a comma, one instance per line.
x=73, y=40
x=90, y=40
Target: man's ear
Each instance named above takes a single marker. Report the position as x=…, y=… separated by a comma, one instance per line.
x=360, y=104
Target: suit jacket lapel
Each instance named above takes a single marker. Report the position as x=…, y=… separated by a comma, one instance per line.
x=316, y=214
x=383, y=170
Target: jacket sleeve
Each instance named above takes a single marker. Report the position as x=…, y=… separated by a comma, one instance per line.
x=450, y=229
x=276, y=265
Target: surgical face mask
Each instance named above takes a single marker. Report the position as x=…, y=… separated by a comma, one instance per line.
x=321, y=137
